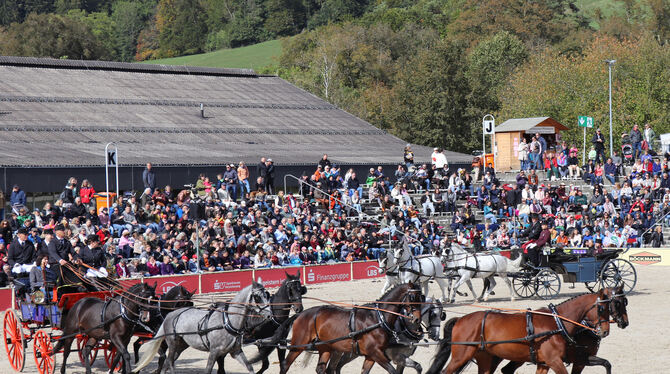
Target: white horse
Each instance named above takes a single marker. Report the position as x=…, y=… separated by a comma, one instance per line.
x=389, y=268
x=467, y=266
x=419, y=269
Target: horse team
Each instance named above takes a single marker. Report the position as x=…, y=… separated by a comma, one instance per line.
x=385, y=332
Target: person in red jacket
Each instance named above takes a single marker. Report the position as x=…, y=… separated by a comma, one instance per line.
x=86, y=193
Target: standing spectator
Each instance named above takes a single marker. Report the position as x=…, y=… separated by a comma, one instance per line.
x=543, y=144
x=17, y=199
x=231, y=180
x=270, y=179
x=649, y=136
x=636, y=140
x=598, y=141
x=243, y=177
x=324, y=162
x=408, y=156
x=149, y=178
x=69, y=193
x=262, y=173
x=535, y=151
x=2, y=205
x=522, y=151
x=86, y=193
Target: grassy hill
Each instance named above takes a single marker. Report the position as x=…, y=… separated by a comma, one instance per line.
x=254, y=57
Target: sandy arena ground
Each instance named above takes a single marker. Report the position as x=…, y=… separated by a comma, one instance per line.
x=642, y=347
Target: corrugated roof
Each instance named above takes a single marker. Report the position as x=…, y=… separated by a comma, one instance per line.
x=63, y=112
x=525, y=124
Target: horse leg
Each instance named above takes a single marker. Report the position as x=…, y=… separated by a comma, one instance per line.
x=509, y=285
x=292, y=355
x=220, y=363
x=175, y=347
x=484, y=363
x=86, y=351
x=490, y=288
x=460, y=356
x=121, y=353
x=592, y=361
x=367, y=365
x=380, y=358
x=440, y=282
x=454, y=290
x=136, y=348
x=474, y=295
x=409, y=363
x=265, y=363
x=323, y=362
x=66, y=344
x=554, y=363
x=211, y=359
x=511, y=367
x=242, y=359
x=161, y=357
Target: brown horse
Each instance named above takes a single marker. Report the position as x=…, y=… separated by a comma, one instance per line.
x=584, y=352
x=366, y=332
x=490, y=336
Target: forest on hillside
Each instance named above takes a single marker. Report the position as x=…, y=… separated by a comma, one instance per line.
x=424, y=70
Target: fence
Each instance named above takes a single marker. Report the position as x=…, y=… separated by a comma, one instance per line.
x=233, y=281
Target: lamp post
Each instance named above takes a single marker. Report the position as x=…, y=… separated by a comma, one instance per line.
x=610, y=63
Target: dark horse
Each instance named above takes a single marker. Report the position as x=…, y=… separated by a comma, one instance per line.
x=587, y=342
x=114, y=319
x=287, y=297
x=490, y=336
x=175, y=298
x=366, y=331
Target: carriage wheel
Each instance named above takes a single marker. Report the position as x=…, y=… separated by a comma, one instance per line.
x=547, y=284
x=15, y=343
x=43, y=352
x=110, y=354
x=523, y=286
x=81, y=342
x=592, y=286
x=617, y=272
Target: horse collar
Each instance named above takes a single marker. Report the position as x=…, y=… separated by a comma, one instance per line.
x=561, y=326
x=226, y=323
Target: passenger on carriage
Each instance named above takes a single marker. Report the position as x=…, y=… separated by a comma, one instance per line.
x=533, y=248
x=21, y=253
x=93, y=257
x=41, y=275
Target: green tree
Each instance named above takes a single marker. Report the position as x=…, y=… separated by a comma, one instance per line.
x=101, y=25
x=129, y=19
x=284, y=17
x=181, y=27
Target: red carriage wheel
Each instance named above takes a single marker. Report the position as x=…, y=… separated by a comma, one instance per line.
x=43, y=352
x=110, y=354
x=15, y=343
x=81, y=342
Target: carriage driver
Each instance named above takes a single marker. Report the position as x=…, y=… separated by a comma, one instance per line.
x=533, y=248
x=93, y=256
x=60, y=251
x=21, y=253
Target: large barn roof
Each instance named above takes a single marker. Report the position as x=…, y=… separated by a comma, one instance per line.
x=63, y=112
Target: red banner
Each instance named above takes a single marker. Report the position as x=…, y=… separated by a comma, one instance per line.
x=328, y=273
x=229, y=281
x=6, y=298
x=366, y=270
x=273, y=277
x=506, y=253
x=165, y=284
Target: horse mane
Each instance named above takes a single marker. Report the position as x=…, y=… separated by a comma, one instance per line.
x=133, y=290
x=173, y=292
x=392, y=290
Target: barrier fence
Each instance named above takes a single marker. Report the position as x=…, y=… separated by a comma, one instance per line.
x=235, y=280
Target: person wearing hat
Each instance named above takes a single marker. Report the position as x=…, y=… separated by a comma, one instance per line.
x=533, y=248
x=92, y=257
x=21, y=253
x=60, y=250
x=270, y=178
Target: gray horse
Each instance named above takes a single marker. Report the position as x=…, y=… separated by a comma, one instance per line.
x=218, y=331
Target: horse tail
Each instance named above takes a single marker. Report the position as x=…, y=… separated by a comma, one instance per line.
x=154, y=345
x=444, y=349
x=268, y=345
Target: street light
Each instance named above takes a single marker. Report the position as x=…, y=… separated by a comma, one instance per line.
x=610, y=63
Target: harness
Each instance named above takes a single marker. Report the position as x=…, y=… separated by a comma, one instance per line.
x=122, y=314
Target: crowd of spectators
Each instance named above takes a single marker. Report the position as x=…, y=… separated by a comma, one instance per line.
x=230, y=222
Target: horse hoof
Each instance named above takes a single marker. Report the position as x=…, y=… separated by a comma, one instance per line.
x=492, y=293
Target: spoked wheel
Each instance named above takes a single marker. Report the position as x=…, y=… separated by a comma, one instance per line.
x=110, y=354
x=43, y=352
x=592, y=286
x=81, y=343
x=547, y=284
x=523, y=285
x=15, y=343
x=617, y=272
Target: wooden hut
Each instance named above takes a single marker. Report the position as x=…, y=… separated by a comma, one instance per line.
x=510, y=133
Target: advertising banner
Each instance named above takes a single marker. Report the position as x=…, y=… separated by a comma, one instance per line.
x=165, y=284
x=6, y=298
x=228, y=281
x=327, y=273
x=648, y=256
x=272, y=278
x=366, y=270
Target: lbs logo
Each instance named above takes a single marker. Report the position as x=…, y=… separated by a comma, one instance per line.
x=167, y=286
x=372, y=271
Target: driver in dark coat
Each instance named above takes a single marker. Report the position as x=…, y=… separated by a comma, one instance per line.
x=60, y=251
x=534, y=247
x=21, y=253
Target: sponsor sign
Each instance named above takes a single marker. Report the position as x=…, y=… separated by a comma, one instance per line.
x=366, y=270
x=327, y=273
x=645, y=258
x=228, y=281
x=272, y=278
x=541, y=130
x=165, y=284
x=648, y=256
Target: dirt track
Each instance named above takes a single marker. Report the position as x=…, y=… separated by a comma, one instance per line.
x=643, y=347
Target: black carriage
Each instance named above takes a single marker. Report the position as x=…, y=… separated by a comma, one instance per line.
x=575, y=265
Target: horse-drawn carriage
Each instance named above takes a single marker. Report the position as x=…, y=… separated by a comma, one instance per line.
x=604, y=270
x=38, y=320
